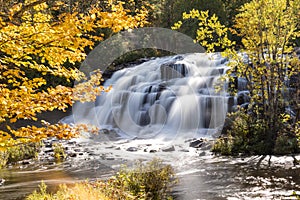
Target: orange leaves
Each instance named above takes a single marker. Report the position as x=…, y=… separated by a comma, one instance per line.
x=36, y=134
x=57, y=39
x=89, y=90
x=119, y=19
x=45, y=35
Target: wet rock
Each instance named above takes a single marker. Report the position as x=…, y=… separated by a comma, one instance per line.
x=92, y=154
x=71, y=143
x=2, y=181
x=48, y=145
x=25, y=162
x=207, y=145
x=202, y=153
x=196, y=143
x=152, y=151
x=168, y=149
x=104, y=131
x=48, y=151
x=184, y=150
x=118, y=148
x=72, y=155
x=132, y=149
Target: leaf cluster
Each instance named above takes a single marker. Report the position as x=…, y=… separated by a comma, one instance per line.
x=49, y=38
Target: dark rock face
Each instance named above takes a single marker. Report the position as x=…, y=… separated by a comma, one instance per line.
x=196, y=143
x=112, y=69
x=171, y=70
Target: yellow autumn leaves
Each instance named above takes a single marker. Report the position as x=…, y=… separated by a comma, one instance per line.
x=42, y=36
x=211, y=34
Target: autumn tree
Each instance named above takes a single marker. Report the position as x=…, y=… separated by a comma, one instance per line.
x=268, y=30
x=42, y=36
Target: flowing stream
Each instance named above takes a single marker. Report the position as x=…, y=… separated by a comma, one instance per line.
x=153, y=110
x=166, y=97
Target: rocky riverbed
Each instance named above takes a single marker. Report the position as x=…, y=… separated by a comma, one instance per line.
x=201, y=174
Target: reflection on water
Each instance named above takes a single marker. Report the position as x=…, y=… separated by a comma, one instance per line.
x=20, y=181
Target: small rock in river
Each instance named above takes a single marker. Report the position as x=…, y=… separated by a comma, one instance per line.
x=2, y=181
x=184, y=150
x=168, y=149
x=132, y=149
x=25, y=162
x=152, y=151
x=202, y=154
x=196, y=143
x=72, y=155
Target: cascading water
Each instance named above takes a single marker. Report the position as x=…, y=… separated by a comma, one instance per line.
x=171, y=96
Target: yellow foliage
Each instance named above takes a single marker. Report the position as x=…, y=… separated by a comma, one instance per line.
x=211, y=33
x=33, y=38
x=268, y=30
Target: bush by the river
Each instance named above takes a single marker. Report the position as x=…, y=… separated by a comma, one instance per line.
x=18, y=153
x=152, y=180
x=247, y=135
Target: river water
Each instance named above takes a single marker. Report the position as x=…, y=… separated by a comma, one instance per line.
x=201, y=174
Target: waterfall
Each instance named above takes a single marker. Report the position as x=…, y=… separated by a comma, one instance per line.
x=170, y=96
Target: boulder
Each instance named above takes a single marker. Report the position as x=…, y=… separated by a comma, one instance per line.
x=132, y=149
x=168, y=149
x=196, y=143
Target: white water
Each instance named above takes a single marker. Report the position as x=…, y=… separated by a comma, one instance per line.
x=171, y=96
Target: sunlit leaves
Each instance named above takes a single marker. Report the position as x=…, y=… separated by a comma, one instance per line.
x=268, y=30
x=42, y=36
x=211, y=34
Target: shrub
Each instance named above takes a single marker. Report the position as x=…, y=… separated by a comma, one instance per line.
x=17, y=153
x=59, y=152
x=78, y=191
x=152, y=180
x=250, y=135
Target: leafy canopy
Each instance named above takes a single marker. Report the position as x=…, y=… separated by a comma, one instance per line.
x=45, y=37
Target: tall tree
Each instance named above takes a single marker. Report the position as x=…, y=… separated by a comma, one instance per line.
x=269, y=30
x=42, y=36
